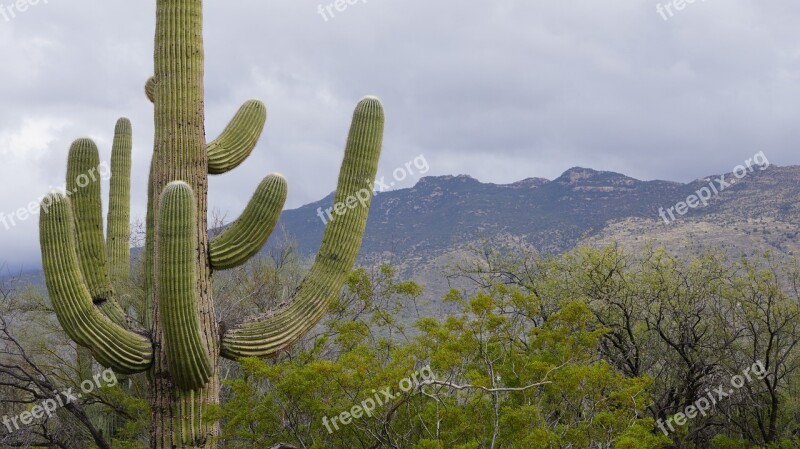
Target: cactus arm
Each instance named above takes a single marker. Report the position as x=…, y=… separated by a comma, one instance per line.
x=176, y=242
x=245, y=237
x=267, y=335
x=83, y=183
x=238, y=139
x=150, y=89
x=113, y=310
x=113, y=346
x=118, y=250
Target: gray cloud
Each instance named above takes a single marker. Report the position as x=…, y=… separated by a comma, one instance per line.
x=501, y=90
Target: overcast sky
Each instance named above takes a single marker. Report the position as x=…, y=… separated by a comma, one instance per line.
x=500, y=90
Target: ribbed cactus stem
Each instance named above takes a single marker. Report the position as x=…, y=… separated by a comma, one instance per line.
x=113, y=346
x=119, y=215
x=179, y=153
x=247, y=235
x=238, y=139
x=83, y=184
x=341, y=241
x=176, y=240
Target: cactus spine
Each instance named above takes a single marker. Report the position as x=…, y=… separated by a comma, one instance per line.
x=184, y=344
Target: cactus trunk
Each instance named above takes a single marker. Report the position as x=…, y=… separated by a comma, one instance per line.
x=180, y=154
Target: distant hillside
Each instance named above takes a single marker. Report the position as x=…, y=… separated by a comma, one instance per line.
x=440, y=213
x=427, y=229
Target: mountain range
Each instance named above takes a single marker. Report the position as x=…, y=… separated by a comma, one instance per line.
x=760, y=211
x=426, y=229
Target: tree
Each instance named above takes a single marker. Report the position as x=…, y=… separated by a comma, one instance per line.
x=35, y=368
x=495, y=379
x=693, y=323
x=762, y=316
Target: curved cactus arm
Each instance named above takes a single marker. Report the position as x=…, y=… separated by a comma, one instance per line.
x=113, y=346
x=267, y=335
x=176, y=242
x=247, y=235
x=150, y=89
x=238, y=139
x=83, y=184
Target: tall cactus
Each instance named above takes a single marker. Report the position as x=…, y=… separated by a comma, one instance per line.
x=182, y=345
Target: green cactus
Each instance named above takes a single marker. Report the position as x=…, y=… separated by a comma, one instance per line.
x=119, y=207
x=150, y=89
x=183, y=344
x=238, y=139
x=341, y=241
x=83, y=183
x=112, y=345
x=242, y=239
x=176, y=243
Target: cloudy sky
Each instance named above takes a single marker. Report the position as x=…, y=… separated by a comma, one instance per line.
x=500, y=90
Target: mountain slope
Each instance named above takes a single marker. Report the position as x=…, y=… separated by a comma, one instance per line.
x=440, y=213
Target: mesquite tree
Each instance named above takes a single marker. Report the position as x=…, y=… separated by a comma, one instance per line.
x=182, y=343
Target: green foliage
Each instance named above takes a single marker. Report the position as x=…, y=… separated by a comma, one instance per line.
x=589, y=349
x=499, y=377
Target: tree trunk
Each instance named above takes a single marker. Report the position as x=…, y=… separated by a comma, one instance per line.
x=180, y=154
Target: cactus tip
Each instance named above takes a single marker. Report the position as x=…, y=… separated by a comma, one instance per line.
x=123, y=126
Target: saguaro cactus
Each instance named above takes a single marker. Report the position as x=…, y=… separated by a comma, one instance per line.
x=182, y=345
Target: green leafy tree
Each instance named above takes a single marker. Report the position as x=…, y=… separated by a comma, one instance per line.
x=498, y=379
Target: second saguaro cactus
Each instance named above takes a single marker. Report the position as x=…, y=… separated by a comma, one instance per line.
x=182, y=345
